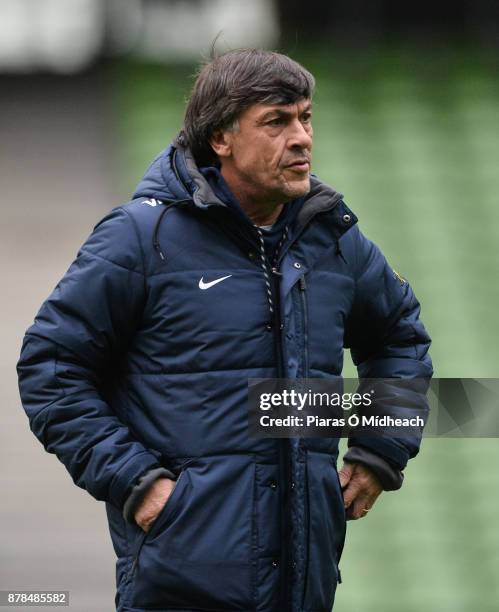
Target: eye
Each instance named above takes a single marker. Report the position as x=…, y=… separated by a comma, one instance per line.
x=275, y=121
x=307, y=118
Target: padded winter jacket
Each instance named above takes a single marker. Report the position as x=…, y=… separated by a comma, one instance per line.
x=140, y=359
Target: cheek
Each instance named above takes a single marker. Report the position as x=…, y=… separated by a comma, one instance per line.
x=260, y=157
x=260, y=161
x=270, y=159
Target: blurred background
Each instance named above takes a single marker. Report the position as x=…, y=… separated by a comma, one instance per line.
x=406, y=126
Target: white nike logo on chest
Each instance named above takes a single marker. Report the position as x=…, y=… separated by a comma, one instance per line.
x=203, y=285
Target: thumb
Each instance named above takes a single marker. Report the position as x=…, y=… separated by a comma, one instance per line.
x=346, y=473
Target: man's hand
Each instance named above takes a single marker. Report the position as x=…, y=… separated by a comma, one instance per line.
x=360, y=489
x=153, y=501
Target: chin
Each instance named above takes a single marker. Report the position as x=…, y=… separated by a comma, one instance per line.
x=296, y=189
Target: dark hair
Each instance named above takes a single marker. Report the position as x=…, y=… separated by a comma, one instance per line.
x=232, y=82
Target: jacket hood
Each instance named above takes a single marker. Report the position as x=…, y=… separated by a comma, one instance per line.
x=172, y=176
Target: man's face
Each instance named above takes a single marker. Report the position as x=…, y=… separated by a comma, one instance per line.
x=268, y=155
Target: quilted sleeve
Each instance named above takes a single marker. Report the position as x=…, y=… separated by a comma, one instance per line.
x=388, y=340
x=80, y=331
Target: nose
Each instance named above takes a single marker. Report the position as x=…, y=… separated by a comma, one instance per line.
x=300, y=136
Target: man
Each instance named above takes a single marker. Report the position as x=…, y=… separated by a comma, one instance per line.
x=231, y=262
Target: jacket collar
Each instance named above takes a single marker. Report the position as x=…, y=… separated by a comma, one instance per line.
x=321, y=198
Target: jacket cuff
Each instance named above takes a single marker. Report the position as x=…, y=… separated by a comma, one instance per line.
x=138, y=491
x=390, y=477
x=125, y=478
x=390, y=449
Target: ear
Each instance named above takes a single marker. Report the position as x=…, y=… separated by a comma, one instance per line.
x=221, y=143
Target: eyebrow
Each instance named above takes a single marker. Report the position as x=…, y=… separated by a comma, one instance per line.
x=282, y=113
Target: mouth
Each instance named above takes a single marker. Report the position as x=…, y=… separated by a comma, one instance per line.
x=300, y=165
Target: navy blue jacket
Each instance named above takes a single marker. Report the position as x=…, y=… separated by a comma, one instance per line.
x=130, y=366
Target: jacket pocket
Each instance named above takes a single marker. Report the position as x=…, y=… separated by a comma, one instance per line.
x=326, y=529
x=341, y=543
x=160, y=521
x=198, y=553
x=169, y=507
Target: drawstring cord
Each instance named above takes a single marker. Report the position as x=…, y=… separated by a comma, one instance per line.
x=155, y=240
x=169, y=205
x=264, y=264
x=280, y=243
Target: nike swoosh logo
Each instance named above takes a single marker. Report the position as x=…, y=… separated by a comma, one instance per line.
x=203, y=285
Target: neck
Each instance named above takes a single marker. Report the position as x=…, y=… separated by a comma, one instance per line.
x=260, y=211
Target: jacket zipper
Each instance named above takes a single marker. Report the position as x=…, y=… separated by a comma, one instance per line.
x=284, y=472
x=276, y=276
x=303, y=294
x=284, y=446
x=307, y=537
